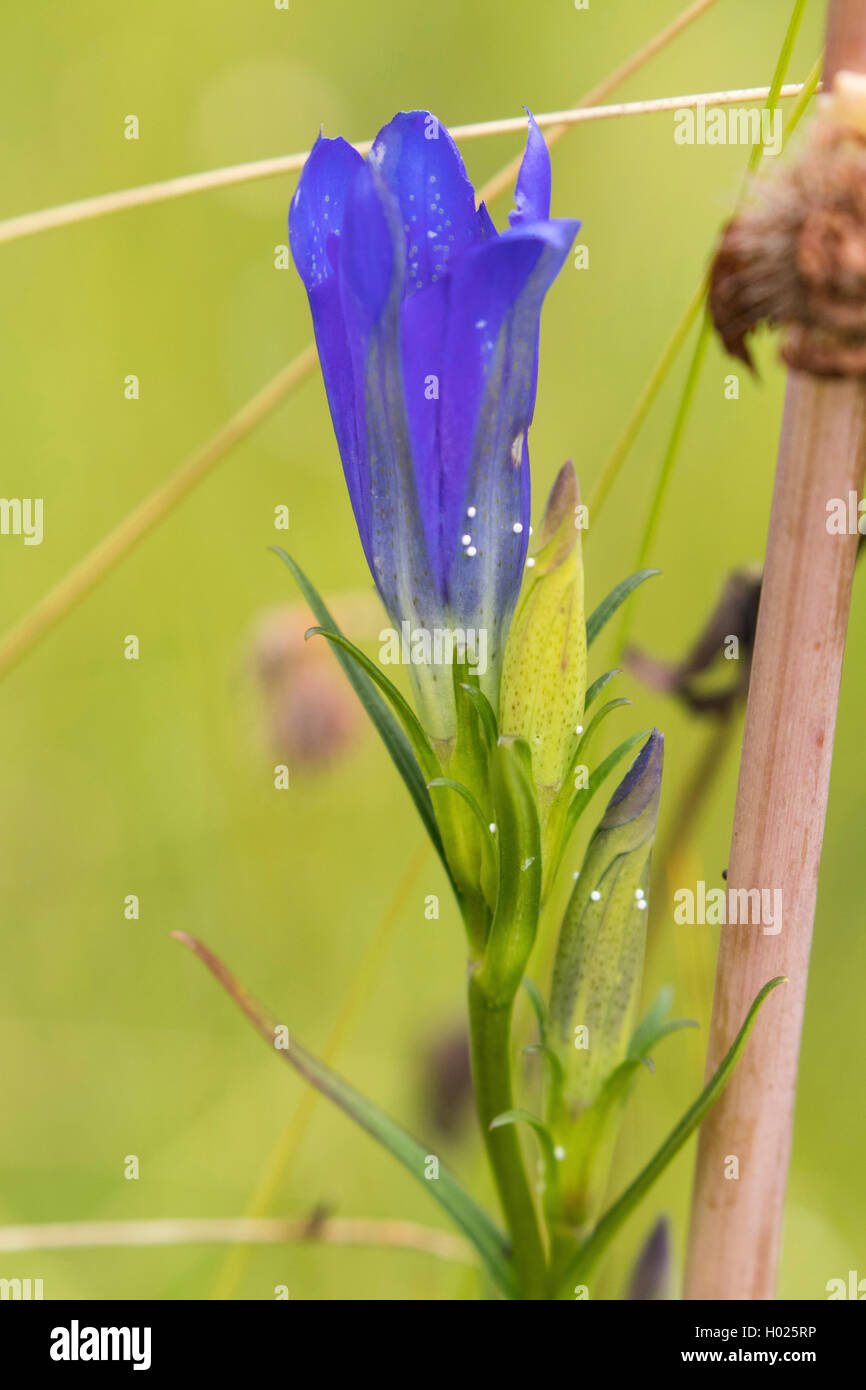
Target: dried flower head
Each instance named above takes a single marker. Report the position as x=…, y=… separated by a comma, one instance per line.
x=796, y=256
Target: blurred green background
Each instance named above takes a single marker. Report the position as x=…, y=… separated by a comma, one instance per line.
x=155, y=777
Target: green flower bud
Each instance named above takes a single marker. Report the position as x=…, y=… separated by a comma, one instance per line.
x=596, y=985
x=599, y=958
x=544, y=672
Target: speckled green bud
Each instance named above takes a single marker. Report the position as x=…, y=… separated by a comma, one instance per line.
x=544, y=674
x=599, y=959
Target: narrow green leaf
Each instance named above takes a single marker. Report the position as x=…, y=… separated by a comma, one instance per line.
x=608, y=606
x=476, y=738
x=640, y=1048
x=389, y=730
x=538, y=1006
x=399, y=704
x=592, y=729
x=676, y=1025
x=556, y=1069
x=653, y=1019
x=598, y=685
x=617, y=1086
x=446, y=1190
x=518, y=900
x=484, y=709
x=654, y=1026
x=591, y=1251
x=517, y=1117
x=578, y=757
x=453, y=785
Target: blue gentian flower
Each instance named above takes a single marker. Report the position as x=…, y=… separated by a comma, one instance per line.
x=426, y=320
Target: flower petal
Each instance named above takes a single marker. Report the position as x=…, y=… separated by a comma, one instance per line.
x=372, y=256
x=371, y=252
x=425, y=173
x=532, y=193
x=316, y=210
x=315, y=224
x=489, y=370
x=485, y=223
x=422, y=330
x=335, y=359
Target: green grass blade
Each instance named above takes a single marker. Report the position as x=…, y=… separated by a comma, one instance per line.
x=445, y=1189
x=782, y=63
x=801, y=105
x=705, y=332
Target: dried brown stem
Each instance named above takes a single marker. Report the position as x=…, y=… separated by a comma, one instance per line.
x=780, y=809
x=777, y=836
x=79, y=1235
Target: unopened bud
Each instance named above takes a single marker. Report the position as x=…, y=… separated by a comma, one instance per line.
x=599, y=959
x=544, y=674
x=650, y=1278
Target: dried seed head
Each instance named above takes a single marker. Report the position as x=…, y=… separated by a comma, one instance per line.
x=796, y=256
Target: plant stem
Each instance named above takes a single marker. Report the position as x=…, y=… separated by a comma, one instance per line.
x=781, y=806
x=490, y=1028
x=220, y=1230
x=777, y=835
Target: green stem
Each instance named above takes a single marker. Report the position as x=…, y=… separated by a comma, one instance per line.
x=490, y=1027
